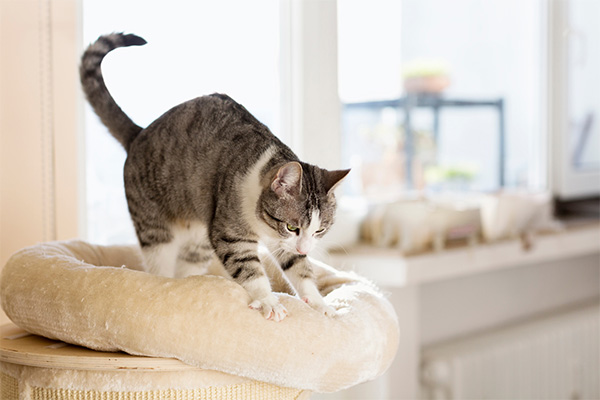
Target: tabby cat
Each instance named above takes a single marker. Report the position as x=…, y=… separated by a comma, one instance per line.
x=208, y=178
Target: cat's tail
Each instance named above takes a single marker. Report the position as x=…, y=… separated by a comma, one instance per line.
x=90, y=73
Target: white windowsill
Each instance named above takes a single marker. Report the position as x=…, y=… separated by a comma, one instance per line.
x=388, y=268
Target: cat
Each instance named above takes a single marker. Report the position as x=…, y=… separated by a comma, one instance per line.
x=207, y=178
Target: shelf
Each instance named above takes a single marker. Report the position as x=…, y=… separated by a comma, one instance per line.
x=436, y=102
x=388, y=268
x=22, y=348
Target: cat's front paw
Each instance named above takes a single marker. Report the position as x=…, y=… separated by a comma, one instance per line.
x=270, y=307
x=318, y=304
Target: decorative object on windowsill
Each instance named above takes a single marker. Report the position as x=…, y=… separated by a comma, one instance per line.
x=417, y=225
x=98, y=297
x=420, y=224
x=517, y=214
x=425, y=76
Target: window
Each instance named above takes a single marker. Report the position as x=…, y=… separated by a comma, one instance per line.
x=484, y=64
x=575, y=108
x=194, y=48
x=478, y=126
x=583, y=66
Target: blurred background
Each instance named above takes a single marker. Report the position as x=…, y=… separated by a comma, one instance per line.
x=472, y=128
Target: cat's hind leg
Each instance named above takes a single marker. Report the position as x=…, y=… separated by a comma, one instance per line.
x=160, y=258
x=159, y=248
x=195, y=250
x=153, y=230
x=183, y=250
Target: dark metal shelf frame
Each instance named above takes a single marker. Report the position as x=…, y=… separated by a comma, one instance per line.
x=436, y=102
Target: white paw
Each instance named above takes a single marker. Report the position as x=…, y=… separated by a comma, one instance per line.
x=319, y=305
x=270, y=307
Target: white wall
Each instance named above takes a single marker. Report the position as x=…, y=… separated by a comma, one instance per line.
x=480, y=302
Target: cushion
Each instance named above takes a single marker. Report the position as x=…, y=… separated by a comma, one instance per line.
x=100, y=297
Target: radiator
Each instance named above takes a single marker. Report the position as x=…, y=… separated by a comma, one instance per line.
x=554, y=357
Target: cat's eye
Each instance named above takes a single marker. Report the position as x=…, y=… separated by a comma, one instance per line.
x=292, y=228
x=320, y=230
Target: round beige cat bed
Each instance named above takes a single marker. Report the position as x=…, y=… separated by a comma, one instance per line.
x=199, y=335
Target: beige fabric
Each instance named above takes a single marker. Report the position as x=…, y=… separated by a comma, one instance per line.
x=71, y=291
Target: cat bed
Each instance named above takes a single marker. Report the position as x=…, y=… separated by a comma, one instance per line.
x=99, y=297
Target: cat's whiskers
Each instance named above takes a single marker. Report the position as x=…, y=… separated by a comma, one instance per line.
x=336, y=247
x=319, y=253
x=277, y=252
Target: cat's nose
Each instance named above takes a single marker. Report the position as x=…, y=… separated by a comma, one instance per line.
x=301, y=250
x=303, y=245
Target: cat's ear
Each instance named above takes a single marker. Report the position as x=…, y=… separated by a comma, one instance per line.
x=334, y=178
x=288, y=180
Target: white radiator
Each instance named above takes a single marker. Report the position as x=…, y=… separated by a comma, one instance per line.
x=554, y=357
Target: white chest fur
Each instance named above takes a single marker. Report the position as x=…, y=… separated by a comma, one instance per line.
x=249, y=191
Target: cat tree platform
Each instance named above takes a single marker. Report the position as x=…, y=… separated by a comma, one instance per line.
x=35, y=368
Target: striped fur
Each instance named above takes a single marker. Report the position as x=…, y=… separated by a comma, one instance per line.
x=208, y=179
x=117, y=122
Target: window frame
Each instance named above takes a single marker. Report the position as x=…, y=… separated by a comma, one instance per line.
x=565, y=182
x=311, y=116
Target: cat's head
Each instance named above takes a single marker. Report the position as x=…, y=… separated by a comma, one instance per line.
x=298, y=204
